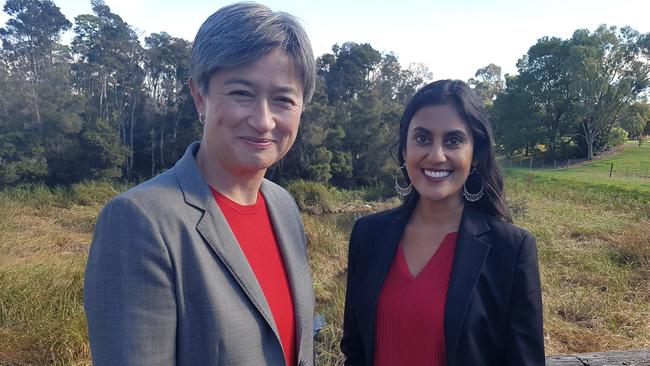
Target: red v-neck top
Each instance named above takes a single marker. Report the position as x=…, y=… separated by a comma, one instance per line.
x=410, y=327
x=253, y=230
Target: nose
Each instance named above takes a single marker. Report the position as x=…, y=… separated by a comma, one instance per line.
x=436, y=153
x=262, y=118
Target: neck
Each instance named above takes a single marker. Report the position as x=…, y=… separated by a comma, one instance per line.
x=239, y=186
x=446, y=213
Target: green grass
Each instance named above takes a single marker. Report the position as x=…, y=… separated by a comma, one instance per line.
x=630, y=169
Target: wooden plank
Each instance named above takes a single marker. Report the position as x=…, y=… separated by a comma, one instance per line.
x=618, y=358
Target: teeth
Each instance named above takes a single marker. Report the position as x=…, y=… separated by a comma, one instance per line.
x=440, y=174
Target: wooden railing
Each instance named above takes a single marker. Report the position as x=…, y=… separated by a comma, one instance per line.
x=618, y=358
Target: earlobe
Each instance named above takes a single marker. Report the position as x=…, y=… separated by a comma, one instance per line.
x=199, y=101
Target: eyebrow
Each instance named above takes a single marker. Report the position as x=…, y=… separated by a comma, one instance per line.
x=452, y=132
x=250, y=84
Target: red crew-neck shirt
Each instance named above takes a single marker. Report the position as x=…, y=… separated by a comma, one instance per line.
x=253, y=230
x=410, y=323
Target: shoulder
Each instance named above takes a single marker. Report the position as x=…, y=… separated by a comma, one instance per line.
x=377, y=219
x=510, y=238
x=375, y=225
x=277, y=196
x=152, y=195
x=507, y=230
x=270, y=187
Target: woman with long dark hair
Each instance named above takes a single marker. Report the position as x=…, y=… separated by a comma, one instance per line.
x=445, y=279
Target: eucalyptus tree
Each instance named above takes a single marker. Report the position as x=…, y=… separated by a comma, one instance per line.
x=609, y=69
x=488, y=82
x=109, y=73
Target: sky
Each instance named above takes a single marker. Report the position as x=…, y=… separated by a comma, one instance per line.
x=453, y=38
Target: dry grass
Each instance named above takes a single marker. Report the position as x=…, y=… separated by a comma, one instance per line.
x=594, y=267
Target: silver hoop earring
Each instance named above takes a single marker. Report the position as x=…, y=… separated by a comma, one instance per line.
x=473, y=197
x=202, y=118
x=402, y=191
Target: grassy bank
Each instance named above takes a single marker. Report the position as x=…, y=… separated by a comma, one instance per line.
x=593, y=240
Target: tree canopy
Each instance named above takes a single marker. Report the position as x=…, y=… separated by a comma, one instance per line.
x=112, y=105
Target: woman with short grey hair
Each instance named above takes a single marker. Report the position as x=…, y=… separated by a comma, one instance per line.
x=206, y=263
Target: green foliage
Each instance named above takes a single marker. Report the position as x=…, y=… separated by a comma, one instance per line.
x=312, y=197
x=575, y=91
x=616, y=137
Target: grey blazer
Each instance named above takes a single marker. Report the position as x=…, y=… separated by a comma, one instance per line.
x=167, y=284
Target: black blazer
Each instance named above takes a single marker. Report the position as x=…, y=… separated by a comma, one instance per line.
x=493, y=313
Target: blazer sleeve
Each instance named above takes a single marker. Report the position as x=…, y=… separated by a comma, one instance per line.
x=525, y=337
x=128, y=290
x=351, y=344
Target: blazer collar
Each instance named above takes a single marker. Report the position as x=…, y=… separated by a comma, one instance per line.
x=214, y=229
x=291, y=240
x=472, y=248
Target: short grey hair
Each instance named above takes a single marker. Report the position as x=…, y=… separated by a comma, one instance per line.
x=242, y=33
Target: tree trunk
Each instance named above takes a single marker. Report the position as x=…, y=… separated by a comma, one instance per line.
x=153, y=150
x=131, y=135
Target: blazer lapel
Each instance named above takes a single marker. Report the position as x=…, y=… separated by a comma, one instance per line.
x=214, y=229
x=290, y=238
x=469, y=258
x=378, y=267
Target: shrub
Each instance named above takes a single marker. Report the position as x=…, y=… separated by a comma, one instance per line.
x=312, y=197
x=617, y=137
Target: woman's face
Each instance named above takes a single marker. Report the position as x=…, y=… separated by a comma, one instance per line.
x=439, y=148
x=251, y=113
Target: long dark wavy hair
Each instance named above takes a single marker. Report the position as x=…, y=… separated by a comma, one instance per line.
x=460, y=96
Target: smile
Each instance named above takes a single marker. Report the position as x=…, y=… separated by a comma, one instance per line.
x=436, y=174
x=257, y=142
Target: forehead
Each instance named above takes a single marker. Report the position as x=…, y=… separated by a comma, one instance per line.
x=275, y=67
x=438, y=118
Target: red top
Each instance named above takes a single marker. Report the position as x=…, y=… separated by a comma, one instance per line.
x=254, y=232
x=410, y=323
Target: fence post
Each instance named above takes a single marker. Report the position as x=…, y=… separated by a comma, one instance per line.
x=611, y=168
x=531, y=163
x=542, y=164
x=554, y=164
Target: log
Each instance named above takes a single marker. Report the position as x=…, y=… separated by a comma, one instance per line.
x=616, y=358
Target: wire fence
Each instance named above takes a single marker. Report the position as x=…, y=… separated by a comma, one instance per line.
x=613, y=170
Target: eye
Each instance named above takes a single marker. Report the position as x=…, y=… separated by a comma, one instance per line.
x=421, y=139
x=240, y=93
x=454, y=141
x=285, y=101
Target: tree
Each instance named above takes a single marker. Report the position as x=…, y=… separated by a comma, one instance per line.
x=516, y=118
x=488, y=83
x=609, y=69
x=635, y=118
x=109, y=72
x=30, y=42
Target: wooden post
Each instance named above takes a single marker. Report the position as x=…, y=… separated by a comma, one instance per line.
x=617, y=358
x=611, y=168
x=554, y=164
x=531, y=163
x=542, y=164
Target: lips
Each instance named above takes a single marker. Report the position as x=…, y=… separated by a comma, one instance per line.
x=437, y=174
x=258, y=142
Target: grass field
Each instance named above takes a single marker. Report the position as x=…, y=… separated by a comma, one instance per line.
x=593, y=240
x=628, y=168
